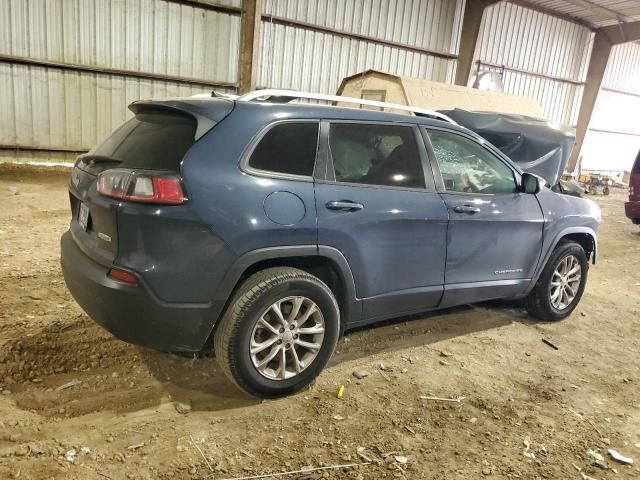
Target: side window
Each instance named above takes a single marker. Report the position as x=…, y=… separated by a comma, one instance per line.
x=288, y=148
x=468, y=167
x=376, y=155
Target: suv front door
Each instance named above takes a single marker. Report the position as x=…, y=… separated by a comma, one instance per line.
x=495, y=231
x=378, y=208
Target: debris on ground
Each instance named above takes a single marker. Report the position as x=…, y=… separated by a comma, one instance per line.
x=340, y=391
x=443, y=399
x=385, y=368
x=548, y=342
x=619, y=457
x=70, y=384
x=182, y=408
x=401, y=459
x=527, y=446
x=360, y=374
x=302, y=470
x=362, y=453
x=71, y=455
x=596, y=458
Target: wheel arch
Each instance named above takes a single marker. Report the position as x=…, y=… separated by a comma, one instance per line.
x=326, y=263
x=585, y=236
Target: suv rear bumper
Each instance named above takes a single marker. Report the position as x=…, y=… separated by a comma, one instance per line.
x=632, y=210
x=132, y=313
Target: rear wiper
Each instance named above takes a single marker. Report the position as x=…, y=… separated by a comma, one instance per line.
x=99, y=159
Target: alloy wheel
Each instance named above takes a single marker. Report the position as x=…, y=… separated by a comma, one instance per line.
x=565, y=282
x=287, y=338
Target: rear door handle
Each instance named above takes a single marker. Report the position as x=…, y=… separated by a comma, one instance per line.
x=344, y=206
x=470, y=209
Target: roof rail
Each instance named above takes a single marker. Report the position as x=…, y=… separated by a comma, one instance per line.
x=288, y=95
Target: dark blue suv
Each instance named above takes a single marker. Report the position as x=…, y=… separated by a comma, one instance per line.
x=271, y=227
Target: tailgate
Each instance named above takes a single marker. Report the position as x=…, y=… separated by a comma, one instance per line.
x=157, y=138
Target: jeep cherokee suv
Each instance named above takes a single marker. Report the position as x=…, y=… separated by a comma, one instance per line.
x=272, y=227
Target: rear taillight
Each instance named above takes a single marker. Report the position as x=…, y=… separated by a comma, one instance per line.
x=141, y=186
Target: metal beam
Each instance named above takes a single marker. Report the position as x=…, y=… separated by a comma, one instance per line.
x=75, y=67
x=604, y=40
x=600, y=9
x=531, y=73
x=597, y=65
x=250, y=20
x=356, y=36
x=213, y=7
x=39, y=148
x=552, y=13
x=622, y=32
x=473, y=11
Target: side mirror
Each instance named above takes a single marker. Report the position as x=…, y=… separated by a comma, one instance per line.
x=531, y=183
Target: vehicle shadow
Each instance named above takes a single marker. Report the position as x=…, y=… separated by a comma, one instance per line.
x=428, y=328
x=198, y=381
x=195, y=380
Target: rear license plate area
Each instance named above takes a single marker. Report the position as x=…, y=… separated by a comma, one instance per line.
x=83, y=216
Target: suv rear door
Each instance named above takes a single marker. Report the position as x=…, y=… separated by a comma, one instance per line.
x=495, y=231
x=376, y=205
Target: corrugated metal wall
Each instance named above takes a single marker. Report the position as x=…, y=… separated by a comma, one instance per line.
x=303, y=59
x=613, y=139
x=545, y=57
x=305, y=44
x=53, y=107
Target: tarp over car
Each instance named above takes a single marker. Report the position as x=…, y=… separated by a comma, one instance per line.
x=536, y=145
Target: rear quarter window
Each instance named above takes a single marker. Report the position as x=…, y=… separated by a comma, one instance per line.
x=636, y=165
x=153, y=139
x=287, y=148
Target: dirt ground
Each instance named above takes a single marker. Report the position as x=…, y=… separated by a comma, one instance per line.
x=529, y=411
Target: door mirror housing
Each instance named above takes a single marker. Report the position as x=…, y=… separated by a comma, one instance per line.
x=531, y=183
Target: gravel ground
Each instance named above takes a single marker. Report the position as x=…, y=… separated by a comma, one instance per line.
x=76, y=403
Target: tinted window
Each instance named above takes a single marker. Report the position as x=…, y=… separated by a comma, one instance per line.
x=287, y=148
x=468, y=167
x=153, y=139
x=636, y=166
x=376, y=155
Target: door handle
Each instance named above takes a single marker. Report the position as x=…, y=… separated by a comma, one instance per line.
x=344, y=206
x=466, y=209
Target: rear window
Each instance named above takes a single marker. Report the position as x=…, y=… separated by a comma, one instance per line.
x=153, y=139
x=288, y=148
x=636, y=166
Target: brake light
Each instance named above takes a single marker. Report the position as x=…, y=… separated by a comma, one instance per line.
x=123, y=276
x=143, y=187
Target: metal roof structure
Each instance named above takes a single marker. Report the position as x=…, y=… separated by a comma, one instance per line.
x=591, y=13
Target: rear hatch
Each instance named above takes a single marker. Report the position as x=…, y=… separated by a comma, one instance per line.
x=634, y=181
x=156, y=139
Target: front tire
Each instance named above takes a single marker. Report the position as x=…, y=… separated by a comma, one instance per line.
x=561, y=284
x=278, y=332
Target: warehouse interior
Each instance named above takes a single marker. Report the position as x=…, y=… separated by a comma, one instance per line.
x=473, y=391
x=579, y=59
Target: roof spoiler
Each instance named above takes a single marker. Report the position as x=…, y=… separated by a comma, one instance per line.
x=207, y=114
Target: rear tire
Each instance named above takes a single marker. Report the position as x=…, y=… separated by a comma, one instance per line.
x=274, y=311
x=557, y=292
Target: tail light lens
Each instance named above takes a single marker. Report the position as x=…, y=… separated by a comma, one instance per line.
x=143, y=187
x=123, y=276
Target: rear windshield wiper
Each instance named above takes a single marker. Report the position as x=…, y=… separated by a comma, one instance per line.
x=87, y=158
